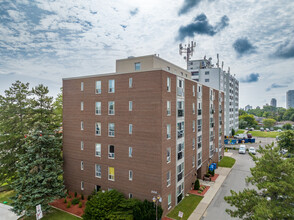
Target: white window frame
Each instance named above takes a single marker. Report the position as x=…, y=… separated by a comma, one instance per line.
x=82, y=125
x=82, y=185
x=130, y=152
x=130, y=82
x=130, y=175
x=82, y=86
x=82, y=165
x=168, y=108
x=169, y=202
x=130, y=128
x=82, y=145
x=193, y=161
x=98, y=108
x=168, y=155
x=98, y=87
x=82, y=106
x=168, y=131
x=168, y=178
x=168, y=84
x=130, y=195
x=97, y=150
x=99, y=126
x=130, y=106
x=111, y=90
x=97, y=172
x=193, y=144
x=193, y=108
x=111, y=155
x=193, y=90
x=137, y=68
x=111, y=111
x=193, y=125
x=111, y=133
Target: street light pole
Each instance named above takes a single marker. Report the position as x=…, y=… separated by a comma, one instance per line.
x=156, y=200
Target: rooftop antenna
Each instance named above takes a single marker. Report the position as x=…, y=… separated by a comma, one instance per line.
x=217, y=64
x=222, y=64
x=187, y=50
x=228, y=69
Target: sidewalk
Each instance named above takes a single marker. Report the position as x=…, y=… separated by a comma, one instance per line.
x=6, y=214
x=214, y=187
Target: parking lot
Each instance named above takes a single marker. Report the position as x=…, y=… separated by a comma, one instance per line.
x=258, y=141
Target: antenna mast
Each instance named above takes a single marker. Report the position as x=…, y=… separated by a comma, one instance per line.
x=187, y=50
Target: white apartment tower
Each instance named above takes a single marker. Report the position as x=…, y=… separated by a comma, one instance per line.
x=206, y=73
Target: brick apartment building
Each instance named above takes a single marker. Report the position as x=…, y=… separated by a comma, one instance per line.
x=148, y=129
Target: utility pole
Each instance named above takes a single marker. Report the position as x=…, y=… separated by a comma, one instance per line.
x=187, y=50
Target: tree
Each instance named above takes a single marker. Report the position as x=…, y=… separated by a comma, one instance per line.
x=268, y=123
x=57, y=106
x=242, y=124
x=242, y=112
x=273, y=176
x=146, y=210
x=286, y=141
x=233, y=131
x=288, y=113
x=15, y=122
x=287, y=126
x=38, y=172
x=251, y=122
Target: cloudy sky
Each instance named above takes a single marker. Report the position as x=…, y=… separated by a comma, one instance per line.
x=44, y=41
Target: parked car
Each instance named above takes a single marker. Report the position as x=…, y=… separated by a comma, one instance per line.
x=246, y=128
x=242, y=149
x=251, y=129
x=279, y=130
x=252, y=150
x=271, y=129
x=261, y=129
x=267, y=130
x=240, y=136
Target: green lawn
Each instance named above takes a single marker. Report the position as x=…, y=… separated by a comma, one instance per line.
x=4, y=196
x=186, y=206
x=56, y=214
x=271, y=134
x=240, y=131
x=227, y=162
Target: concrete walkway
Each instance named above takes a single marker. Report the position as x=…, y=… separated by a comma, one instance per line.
x=6, y=214
x=214, y=187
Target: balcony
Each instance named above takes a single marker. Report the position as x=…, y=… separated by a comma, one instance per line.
x=199, y=95
x=211, y=125
x=199, y=111
x=180, y=113
x=199, y=145
x=180, y=176
x=180, y=155
x=212, y=111
x=199, y=128
x=180, y=133
x=211, y=138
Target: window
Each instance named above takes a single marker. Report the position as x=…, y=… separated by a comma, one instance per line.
x=168, y=179
x=193, y=125
x=169, y=201
x=199, y=158
x=111, y=108
x=130, y=175
x=130, y=195
x=111, y=173
x=193, y=108
x=193, y=90
x=111, y=86
x=82, y=86
x=180, y=109
x=168, y=84
x=196, y=73
x=97, y=170
x=168, y=108
x=137, y=66
x=180, y=127
x=98, y=150
x=130, y=128
x=168, y=68
x=206, y=72
x=193, y=161
x=206, y=80
x=98, y=128
x=199, y=125
x=82, y=106
x=111, y=127
x=130, y=151
x=98, y=108
x=130, y=82
x=180, y=169
x=193, y=144
x=130, y=106
x=82, y=185
x=82, y=165
x=111, y=151
x=199, y=141
x=181, y=147
x=82, y=145
x=82, y=125
x=98, y=87
x=168, y=152
x=168, y=131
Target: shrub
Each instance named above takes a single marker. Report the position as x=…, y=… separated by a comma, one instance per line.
x=207, y=175
x=146, y=210
x=65, y=201
x=68, y=205
x=199, y=191
x=75, y=201
x=82, y=197
x=212, y=173
x=76, y=194
x=196, y=185
x=80, y=204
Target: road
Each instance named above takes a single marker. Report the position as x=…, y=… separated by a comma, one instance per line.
x=235, y=181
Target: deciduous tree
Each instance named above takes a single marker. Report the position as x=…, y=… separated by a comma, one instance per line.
x=286, y=141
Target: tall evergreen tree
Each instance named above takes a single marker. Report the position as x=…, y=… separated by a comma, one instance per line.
x=58, y=108
x=15, y=122
x=38, y=171
x=274, y=177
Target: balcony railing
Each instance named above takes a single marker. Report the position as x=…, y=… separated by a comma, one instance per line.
x=199, y=111
x=180, y=91
x=180, y=176
x=180, y=112
x=180, y=134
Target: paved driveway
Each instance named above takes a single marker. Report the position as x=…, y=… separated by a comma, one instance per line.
x=234, y=181
x=6, y=214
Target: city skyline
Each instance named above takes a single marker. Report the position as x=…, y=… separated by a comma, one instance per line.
x=43, y=42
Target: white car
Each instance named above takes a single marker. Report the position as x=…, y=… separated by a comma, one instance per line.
x=242, y=149
x=279, y=130
x=252, y=150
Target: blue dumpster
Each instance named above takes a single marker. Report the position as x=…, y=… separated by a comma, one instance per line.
x=246, y=140
x=214, y=165
x=211, y=167
x=226, y=141
x=233, y=141
x=253, y=140
x=239, y=141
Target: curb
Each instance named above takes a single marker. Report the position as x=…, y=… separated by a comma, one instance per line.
x=66, y=212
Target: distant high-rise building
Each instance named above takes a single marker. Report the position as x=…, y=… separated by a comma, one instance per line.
x=274, y=102
x=206, y=73
x=248, y=107
x=290, y=99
